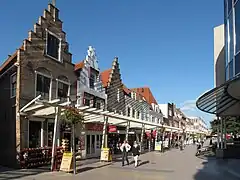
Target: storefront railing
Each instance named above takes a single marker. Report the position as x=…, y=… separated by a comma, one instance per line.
x=37, y=157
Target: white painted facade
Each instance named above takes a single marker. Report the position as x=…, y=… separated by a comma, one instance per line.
x=164, y=109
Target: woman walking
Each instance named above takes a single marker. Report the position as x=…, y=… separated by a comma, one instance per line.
x=136, y=153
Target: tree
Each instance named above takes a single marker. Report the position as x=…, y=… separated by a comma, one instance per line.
x=232, y=125
x=73, y=117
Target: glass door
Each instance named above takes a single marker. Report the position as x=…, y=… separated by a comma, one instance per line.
x=88, y=144
x=93, y=144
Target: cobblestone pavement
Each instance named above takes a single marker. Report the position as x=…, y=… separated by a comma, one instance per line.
x=171, y=165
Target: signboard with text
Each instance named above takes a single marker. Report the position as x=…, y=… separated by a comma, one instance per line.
x=66, y=164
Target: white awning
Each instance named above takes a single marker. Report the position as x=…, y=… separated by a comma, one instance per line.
x=40, y=108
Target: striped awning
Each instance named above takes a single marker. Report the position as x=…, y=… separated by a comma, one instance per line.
x=218, y=100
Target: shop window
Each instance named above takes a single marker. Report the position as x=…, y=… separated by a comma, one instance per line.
x=13, y=84
x=34, y=134
x=43, y=86
x=50, y=133
x=53, y=46
x=63, y=89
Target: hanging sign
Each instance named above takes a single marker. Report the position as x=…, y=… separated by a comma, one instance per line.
x=67, y=164
x=112, y=128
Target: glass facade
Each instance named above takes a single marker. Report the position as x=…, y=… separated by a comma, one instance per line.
x=232, y=37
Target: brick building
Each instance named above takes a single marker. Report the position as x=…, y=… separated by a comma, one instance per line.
x=42, y=66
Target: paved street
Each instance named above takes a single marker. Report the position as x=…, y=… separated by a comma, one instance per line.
x=171, y=165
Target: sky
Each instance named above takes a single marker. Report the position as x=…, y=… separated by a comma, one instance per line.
x=165, y=45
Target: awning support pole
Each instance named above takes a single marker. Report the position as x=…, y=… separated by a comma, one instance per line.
x=218, y=133
x=225, y=133
x=221, y=133
x=127, y=130
x=104, y=137
x=170, y=139
x=57, y=114
x=142, y=134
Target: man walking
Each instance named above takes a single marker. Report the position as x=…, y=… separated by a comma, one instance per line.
x=125, y=147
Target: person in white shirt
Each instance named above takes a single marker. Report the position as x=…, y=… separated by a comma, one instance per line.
x=125, y=147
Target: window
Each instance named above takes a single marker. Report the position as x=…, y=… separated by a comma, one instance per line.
x=43, y=86
x=237, y=63
x=237, y=26
x=128, y=111
x=92, y=81
x=53, y=46
x=133, y=113
x=34, y=134
x=231, y=70
x=62, y=91
x=230, y=40
x=138, y=115
x=118, y=95
x=98, y=105
x=13, y=84
x=87, y=102
x=229, y=5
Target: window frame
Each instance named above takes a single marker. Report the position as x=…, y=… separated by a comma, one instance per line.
x=59, y=59
x=11, y=85
x=66, y=83
x=50, y=87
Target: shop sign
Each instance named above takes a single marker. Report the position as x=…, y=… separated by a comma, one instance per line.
x=154, y=133
x=112, y=128
x=94, y=127
x=105, y=155
x=66, y=164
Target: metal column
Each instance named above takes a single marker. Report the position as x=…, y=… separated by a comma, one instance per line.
x=142, y=135
x=170, y=139
x=57, y=114
x=225, y=133
x=104, y=137
x=127, y=130
x=221, y=133
x=218, y=134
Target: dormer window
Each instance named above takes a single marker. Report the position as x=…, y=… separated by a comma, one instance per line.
x=53, y=46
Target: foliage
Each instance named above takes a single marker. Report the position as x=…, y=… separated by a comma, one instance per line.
x=72, y=116
x=232, y=125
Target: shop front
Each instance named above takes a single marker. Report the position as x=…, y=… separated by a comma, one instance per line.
x=93, y=140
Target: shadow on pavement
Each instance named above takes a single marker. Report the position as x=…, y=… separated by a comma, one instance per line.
x=217, y=169
x=7, y=173
x=84, y=169
x=143, y=162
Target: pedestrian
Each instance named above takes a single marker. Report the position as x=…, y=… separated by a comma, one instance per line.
x=136, y=153
x=125, y=147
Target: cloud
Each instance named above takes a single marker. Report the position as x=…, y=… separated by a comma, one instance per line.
x=189, y=105
x=189, y=108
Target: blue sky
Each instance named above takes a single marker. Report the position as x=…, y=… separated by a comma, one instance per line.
x=166, y=45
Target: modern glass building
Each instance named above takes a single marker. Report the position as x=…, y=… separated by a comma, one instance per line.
x=232, y=37
x=224, y=99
